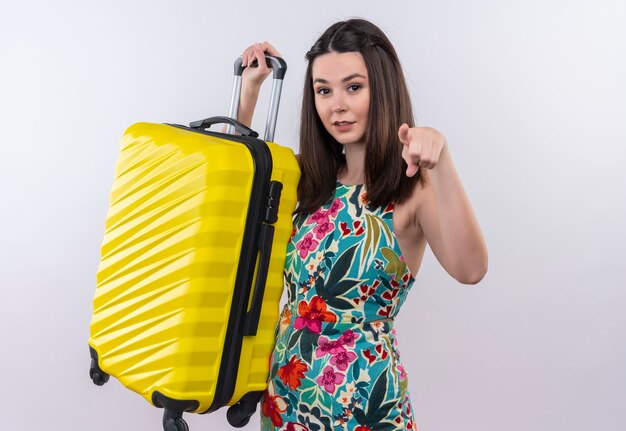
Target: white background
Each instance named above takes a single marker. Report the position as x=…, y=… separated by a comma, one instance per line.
x=531, y=96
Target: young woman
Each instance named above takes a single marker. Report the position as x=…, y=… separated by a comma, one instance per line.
x=374, y=190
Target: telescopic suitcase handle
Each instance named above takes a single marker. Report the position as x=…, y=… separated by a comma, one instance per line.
x=279, y=68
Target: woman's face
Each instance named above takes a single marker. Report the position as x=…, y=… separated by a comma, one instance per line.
x=342, y=95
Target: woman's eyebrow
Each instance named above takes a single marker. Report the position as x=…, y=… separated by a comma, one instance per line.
x=346, y=79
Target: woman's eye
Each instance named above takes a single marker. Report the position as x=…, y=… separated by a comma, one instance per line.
x=323, y=91
x=354, y=87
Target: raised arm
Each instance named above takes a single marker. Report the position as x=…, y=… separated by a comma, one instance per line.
x=253, y=78
x=444, y=212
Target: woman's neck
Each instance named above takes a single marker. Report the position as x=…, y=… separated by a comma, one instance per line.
x=354, y=170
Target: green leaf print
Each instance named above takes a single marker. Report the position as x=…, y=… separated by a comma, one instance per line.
x=308, y=342
x=354, y=199
x=308, y=396
x=372, y=236
x=356, y=370
x=339, y=303
x=378, y=394
x=279, y=384
x=383, y=411
x=404, y=386
x=293, y=401
x=374, y=227
x=320, y=288
x=342, y=266
x=385, y=281
x=337, y=283
x=295, y=336
x=380, y=301
x=343, y=286
x=394, y=264
x=359, y=415
x=329, y=241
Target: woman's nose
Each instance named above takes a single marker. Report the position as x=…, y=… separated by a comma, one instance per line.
x=338, y=104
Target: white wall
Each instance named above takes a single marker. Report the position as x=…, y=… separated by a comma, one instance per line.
x=531, y=96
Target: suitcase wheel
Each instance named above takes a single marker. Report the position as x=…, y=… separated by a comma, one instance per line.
x=173, y=421
x=176, y=425
x=98, y=376
x=238, y=415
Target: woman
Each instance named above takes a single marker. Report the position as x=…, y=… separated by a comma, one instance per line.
x=374, y=190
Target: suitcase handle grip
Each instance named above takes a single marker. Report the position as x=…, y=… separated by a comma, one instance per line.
x=277, y=64
x=239, y=127
x=279, y=67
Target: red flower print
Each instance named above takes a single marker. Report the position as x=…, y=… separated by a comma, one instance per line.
x=390, y=295
x=342, y=359
x=381, y=352
x=335, y=207
x=323, y=228
x=362, y=428
x=384, y=311
x=313, y=314
x=325, y=346
x=344, y=228
x=367, y=355
x=358, y=227
x=306, y=245
x=273, y=406
x=329, y=379
x=292, y=372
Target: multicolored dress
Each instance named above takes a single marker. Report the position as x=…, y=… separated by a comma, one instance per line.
x=336, y=365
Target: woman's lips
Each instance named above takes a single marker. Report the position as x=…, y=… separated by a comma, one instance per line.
x=343, y=126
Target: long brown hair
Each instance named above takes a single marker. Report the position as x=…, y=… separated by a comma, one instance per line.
x=321, y=156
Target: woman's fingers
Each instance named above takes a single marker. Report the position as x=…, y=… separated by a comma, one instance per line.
x=259, y=55
x=410, y=151
x=268, y=48
x=403, y=134
x=252, y=53
x=255, y=55
x=422, y=147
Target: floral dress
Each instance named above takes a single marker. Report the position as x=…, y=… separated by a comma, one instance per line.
x=335, y=365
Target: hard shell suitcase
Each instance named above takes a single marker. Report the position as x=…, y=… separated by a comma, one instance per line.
x=191, y=268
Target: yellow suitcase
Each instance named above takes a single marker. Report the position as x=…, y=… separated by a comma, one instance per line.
x=191, y=269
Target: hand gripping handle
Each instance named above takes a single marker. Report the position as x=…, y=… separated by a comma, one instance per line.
x=279, y=68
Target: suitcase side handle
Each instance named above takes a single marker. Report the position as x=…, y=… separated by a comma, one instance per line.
x=266, y=238
x=251, y=321
x=279, y=67
x=239, y=127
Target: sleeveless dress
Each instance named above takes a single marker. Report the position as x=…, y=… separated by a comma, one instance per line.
x=335, y=365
